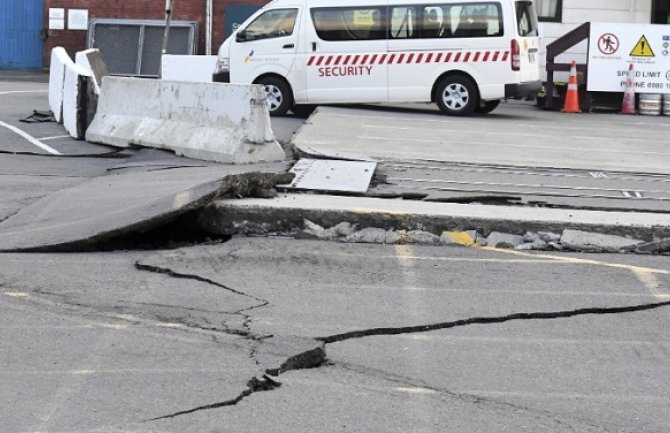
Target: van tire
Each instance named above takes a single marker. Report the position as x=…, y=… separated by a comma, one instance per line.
x=485, y=107
x=279, y=95
x=304, y=111
x=457, y=96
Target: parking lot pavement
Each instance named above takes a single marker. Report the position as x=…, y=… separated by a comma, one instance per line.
x=515, y=135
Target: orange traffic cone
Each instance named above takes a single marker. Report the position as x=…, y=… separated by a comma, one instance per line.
x=572, y=96
x=628, y=104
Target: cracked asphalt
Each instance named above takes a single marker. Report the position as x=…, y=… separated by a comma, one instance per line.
x=193, y=339
x=287, y=335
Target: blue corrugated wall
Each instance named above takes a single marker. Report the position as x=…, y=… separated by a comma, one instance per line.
x=21, y=22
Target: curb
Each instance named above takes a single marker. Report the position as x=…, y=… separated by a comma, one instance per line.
x=370, y=220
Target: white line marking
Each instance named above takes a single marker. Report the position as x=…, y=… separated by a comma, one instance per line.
x=651, y=283
x=30, y=138
x=498, y=145
x=22, y=91
x=55, y=137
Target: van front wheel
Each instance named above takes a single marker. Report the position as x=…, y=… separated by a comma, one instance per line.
x=278, y=95
x=457, y=96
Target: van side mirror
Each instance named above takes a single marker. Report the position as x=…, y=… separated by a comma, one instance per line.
x=241, y=36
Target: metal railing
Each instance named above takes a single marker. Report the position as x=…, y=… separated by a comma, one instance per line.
x=134, y=47
x=559, y=46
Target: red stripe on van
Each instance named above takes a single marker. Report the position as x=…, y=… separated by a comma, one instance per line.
x=373, y=59
x=477, y=55
x=320, y=61
x=355, y=60
x=364, y=60
x=429, y=57
x=467, y=56
x=329, y=60
x=382, y=59
x=438, y=58
x=505, y=56
x=457, y=58
x=311, y=61
x=346, y=60
x=401, y=58
x=419, y=58
x=337, y=60
x=409, y=58
x=486, y=56
x=496, y=55
x=391, y=58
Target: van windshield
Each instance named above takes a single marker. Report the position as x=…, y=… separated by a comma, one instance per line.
x=526, y=19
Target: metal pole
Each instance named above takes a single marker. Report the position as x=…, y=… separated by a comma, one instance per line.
x=168, y=17
x=208, y=27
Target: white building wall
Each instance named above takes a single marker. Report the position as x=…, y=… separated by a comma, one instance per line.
x=577, y=12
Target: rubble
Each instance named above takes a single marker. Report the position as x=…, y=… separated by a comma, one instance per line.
x=568, y=240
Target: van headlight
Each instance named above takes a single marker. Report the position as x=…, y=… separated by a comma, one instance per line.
x=223, y=65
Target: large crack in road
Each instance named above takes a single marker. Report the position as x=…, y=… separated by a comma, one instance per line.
x=316, y=357
x=490, y=320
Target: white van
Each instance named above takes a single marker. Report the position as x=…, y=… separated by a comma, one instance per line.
x=464, y=55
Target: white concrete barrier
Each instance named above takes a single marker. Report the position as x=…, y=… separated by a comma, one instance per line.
x=188, y=68
x=59, y=59
x=75, y=100
x=92, y=61
x=212, y=121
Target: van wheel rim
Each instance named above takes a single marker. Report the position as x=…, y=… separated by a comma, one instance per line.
x=456, y=96
x=274, y=97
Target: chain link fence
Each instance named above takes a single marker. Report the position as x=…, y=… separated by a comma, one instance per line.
x=134, y=47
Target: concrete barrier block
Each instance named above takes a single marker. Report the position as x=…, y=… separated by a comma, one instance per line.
x=59, y=59
x=188, y=68
x=226, y=123
x=75, y=99
x=92, y=61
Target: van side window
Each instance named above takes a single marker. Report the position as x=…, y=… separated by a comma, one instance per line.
x=462, y=20
x=525, y=18
x=404, y=22
x=349, y=24
x=274, y=23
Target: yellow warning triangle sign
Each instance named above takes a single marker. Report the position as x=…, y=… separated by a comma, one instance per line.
x=642, y=48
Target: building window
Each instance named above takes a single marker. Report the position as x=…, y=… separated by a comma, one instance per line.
x=550, y=10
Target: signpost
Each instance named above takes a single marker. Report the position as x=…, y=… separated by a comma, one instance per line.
x=615, y=46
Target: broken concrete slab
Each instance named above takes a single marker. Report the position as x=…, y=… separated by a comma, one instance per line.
x=578, y=240
x=661, y=246
x=105, y=207
x=504, y=240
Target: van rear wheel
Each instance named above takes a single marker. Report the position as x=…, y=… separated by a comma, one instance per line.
x=457, y=96
x=278, y=93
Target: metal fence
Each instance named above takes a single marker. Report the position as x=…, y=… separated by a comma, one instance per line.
x=133, y=47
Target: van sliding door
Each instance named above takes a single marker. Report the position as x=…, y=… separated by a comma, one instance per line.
x=346, y=52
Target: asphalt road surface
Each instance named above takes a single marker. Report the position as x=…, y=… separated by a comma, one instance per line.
x=168, y=341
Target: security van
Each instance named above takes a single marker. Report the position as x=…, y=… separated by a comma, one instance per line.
x=463, y=55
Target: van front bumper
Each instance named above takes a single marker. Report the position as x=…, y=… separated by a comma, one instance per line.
x=221, y=77
x=522, y=90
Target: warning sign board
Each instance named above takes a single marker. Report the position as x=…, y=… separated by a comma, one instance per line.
x=642, y=48
x=614, y=47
